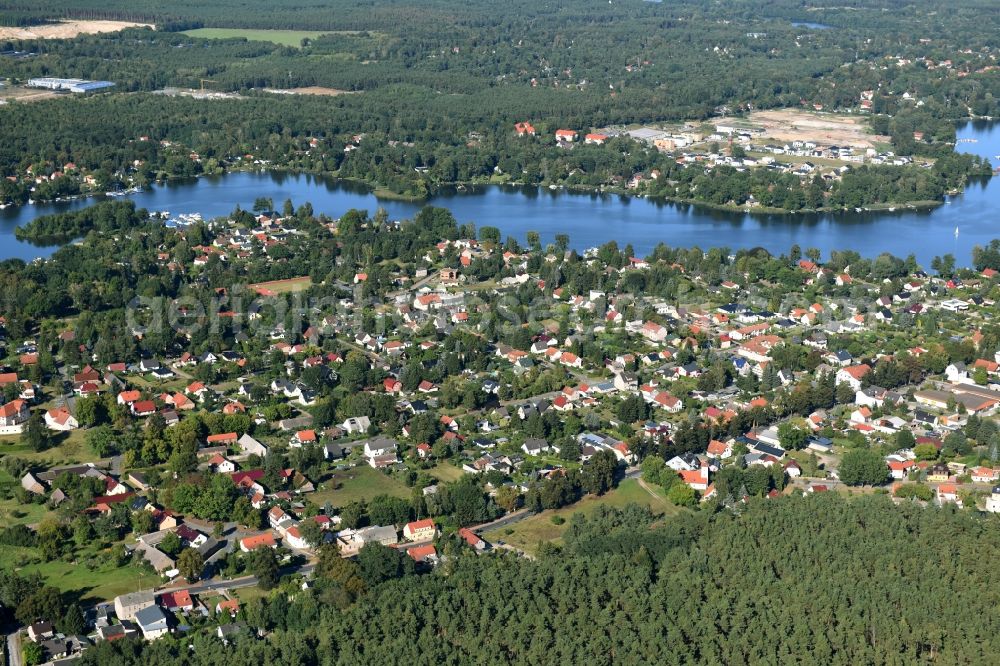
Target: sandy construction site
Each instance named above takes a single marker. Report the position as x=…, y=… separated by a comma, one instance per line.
x=309, y=90
x=828, y=129
x=66, y=29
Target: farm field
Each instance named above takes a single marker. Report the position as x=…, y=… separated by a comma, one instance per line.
x=527, y=533
x=282, y=37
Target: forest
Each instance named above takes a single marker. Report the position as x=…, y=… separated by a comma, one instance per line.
x=437, y=106
x=814, y=579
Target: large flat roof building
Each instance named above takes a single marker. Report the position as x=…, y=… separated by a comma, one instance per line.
x=81, y=86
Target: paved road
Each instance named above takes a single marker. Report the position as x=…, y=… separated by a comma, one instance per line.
x=521, y=514
x=509, y=519
x=13, y=649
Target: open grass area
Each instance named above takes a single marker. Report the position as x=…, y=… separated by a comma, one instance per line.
x=70, y=449
x=99, y=581
x=282, y=37
x=527, y=533
x=245, y=594
x=13, y=512
x=357, y=484
x=446, y=472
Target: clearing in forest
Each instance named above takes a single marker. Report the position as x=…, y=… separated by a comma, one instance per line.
x=282, y=37
x=309, y=90
x=788, y=125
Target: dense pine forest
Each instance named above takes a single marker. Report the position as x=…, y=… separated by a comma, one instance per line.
x=818, y=579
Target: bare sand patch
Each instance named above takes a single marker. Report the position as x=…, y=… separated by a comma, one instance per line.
x=795, y=125
x=309, y=90
x=67, y=29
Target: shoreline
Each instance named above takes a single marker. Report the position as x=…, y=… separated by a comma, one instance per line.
x=384, y=194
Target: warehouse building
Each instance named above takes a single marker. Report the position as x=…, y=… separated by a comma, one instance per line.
x=70, y=85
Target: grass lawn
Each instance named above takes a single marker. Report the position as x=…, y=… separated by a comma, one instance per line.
x=282, y=37
x=527, y=533
x=245, y=594
x=13, y=512
x=446, y=472
x=71, y=449
x=102, y=582
x=357, y=484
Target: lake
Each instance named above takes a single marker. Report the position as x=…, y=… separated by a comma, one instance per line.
x=592, y=219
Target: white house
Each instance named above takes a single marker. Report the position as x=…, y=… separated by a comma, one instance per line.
x=60, y=419
x=356, y=424
x=852, y=375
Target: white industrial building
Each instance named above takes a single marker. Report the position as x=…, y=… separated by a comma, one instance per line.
x=70, y=85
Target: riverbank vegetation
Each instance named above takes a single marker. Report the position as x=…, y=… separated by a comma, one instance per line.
x=64, y=227
x=438, y=106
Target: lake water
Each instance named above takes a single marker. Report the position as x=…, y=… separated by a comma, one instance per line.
x=595, y=219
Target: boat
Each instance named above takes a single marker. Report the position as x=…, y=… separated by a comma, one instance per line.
x=956, y=232
x=892, y=209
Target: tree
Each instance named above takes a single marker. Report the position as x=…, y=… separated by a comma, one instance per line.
x=905, y=439
x=956, y=443
x=863, y=467
x=352, y=515
x=379, y=563
x=311, y=532
x=191, y=563
x=101, y=441
x=35, y=434
x=262, y=563
x=33, y=653
x=44, y=604
x=844, y=393
x=90, y=411
x=653, y=469
x=598, y=475
x=73, y=622
x=792, y=438
x=388, y=510
x=171, y=544
x=631, y=409
x=508, y=498
x=681, y=494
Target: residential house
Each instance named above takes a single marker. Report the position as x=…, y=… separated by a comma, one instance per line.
x=852, y=375
x=60, y=419
x=13, y=415
x=420, y=530
x=127, y=605
x=152, y=622
x=265, y=540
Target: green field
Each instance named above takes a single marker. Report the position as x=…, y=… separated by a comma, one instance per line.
x=13, y=512
x=356, y=485
x=75, y=578
x=282, y=37
x=527, y=533
x=71, y=448
x=446, y=472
